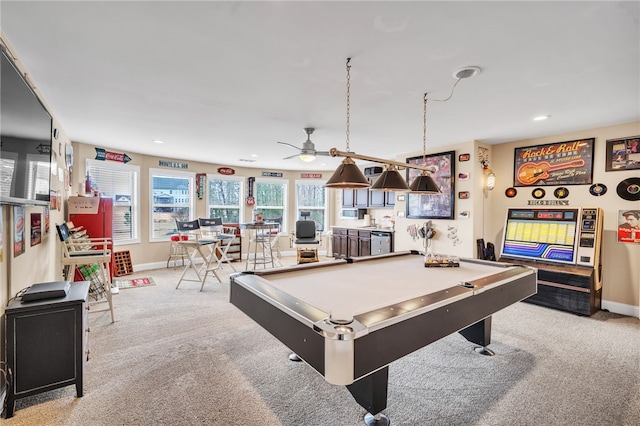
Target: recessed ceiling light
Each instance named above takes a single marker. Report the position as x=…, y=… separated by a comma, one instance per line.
x=254, y=155
x=467, y=72
x=157, y=141
x=541, y=117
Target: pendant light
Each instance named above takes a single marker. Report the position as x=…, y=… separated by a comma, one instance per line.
x=348, y=175
x=424, y=183
x=390, y=180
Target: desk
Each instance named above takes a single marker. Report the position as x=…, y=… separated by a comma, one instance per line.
x=349, y=319
x=261, y=241
x=210, y=261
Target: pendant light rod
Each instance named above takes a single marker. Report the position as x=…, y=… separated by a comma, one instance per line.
x=334, y=152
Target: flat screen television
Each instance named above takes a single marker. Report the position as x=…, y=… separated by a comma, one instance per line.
x=546, y=235
x=25, y=134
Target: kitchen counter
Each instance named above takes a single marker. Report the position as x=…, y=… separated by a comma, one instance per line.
x=366, y=228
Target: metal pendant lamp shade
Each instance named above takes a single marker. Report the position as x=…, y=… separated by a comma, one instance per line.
x=424, y=184
x=347, y=176
x=390, y=180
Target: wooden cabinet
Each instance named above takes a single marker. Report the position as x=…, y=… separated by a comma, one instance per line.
x=363, y=198
x=348, y=198
x=364, y=242
x=389, y=199
x=235, y=249
x=351, y=242
x=46, y=344
x=339, y=242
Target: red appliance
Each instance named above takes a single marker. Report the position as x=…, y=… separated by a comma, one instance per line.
x=95, y=215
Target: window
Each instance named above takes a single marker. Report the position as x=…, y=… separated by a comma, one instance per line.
x=271, y=199
x=120, y=182
x=7, y=168
x=223, y=197
x=172, y=198
x=39, y=172
x=311, y=196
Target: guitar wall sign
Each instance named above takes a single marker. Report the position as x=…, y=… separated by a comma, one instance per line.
x=530, y=173
x=556, y=164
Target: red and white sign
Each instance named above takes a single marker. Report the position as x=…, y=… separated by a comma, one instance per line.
x=226, y=171
x=311, y=175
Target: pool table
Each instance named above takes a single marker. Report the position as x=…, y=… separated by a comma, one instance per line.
x=350, y=318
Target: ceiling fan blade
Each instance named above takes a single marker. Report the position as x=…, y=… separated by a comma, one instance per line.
x=325, y=153
x=293, y=146
x=291, y=156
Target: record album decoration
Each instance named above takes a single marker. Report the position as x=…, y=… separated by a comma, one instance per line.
x=538, y=193
x=598, y=189
x=510, y=192
x=629, y=189
x=561, y=193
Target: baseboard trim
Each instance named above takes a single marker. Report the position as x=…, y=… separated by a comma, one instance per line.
x=621, y=308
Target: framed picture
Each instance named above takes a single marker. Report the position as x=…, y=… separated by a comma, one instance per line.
x=623, y=154
x=554, y=164
x=426, y=206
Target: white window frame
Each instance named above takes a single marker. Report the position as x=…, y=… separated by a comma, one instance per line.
x=191, y=176
x=135, y=193
x=239, y=179
x=298, y=207
x=285, y=198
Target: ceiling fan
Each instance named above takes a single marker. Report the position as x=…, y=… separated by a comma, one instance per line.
x=308, y=151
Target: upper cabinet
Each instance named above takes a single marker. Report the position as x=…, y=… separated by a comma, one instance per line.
x=364, y=198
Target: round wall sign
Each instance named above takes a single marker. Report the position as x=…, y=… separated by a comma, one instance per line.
x=510, y=192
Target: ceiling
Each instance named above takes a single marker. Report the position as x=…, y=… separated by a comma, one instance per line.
x=221, y=82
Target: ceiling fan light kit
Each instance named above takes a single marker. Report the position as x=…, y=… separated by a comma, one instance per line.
x=308, y=151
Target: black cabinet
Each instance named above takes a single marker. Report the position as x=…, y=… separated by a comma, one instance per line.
x=568, y=288
x=46, y=344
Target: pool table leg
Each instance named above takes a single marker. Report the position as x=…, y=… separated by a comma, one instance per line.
x=480, y=334
x=371, y=393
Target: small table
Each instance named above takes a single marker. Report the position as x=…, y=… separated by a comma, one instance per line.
x=349, y=319
x=262, y=237
x=46, y=344
x=210, y=259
